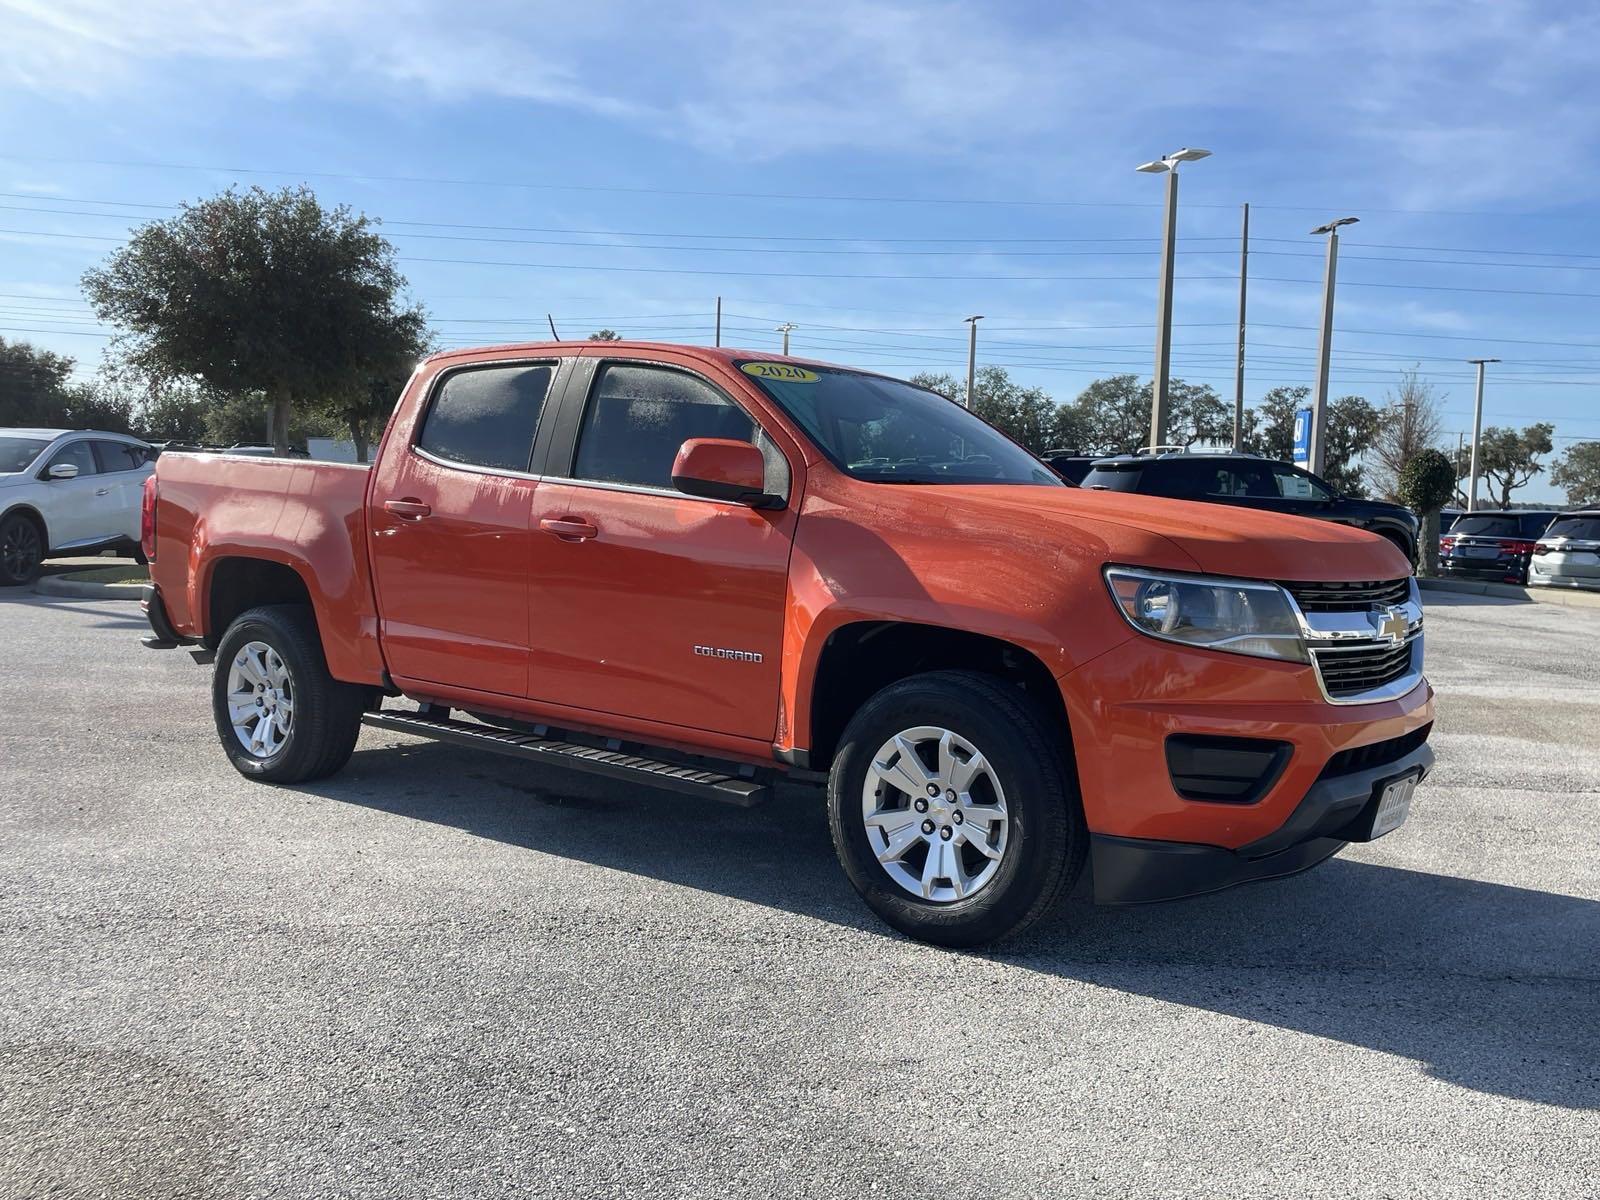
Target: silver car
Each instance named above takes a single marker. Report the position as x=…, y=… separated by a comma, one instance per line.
x=1568, y=554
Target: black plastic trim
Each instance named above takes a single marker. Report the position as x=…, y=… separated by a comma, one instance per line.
x=1187, y=755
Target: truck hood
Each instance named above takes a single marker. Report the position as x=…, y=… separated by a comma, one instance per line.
x=1220, y=539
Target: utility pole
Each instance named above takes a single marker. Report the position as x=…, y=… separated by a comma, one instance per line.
x=1319, y=412
x=719, y=320
x=784, y=329
x=1238, y=373
x=1159, y=402
x=972, y=358
x=1477, y=435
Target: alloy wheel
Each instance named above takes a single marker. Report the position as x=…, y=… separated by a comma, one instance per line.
x=935, y=814
x=20, y=550
x=260, y=699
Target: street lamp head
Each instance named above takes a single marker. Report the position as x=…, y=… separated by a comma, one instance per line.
x=1153, y=168
x=1481, y=361
x=1332, y=225
x=1188, y=155
x=970, y=319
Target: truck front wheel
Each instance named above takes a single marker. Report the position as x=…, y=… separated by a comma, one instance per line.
x=281, y=717
x=954, y=810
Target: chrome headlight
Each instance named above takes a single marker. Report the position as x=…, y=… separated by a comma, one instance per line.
x=1234, y=615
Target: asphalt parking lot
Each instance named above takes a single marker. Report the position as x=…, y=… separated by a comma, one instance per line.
x=442, y=974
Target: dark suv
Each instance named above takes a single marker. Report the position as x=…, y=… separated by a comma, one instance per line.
x=1493, y=545
x=1253, y=482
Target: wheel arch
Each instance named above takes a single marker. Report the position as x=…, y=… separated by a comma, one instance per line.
x=25, y=509
x=235, y=583
x=861, y=658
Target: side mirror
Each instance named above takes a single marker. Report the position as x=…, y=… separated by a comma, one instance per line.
x=723, y=469
x=63, y=471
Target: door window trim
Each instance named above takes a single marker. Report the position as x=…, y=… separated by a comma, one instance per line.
x=563, y=458
x=553, y=396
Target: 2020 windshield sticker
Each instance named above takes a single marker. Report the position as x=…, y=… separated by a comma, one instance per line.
x=782, y=372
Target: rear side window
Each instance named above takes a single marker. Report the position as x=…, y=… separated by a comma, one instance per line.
x=640, y=416
x=487, y=416
x=1114, y=477
x=120, y=456
x=79, y=455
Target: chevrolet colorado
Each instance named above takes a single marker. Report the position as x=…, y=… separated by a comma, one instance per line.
x=697, y=569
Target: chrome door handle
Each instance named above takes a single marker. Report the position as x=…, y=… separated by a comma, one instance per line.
x=102, y=491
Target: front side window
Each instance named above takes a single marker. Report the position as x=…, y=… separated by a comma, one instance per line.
x=885, y=431
x=79, y=455
x=638, y=418
x=487, y=416
x=16, y=453
x=120, y=456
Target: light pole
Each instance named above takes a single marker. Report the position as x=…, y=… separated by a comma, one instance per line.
x=784, y=329
x=1319, y=412
x=1477, y=433
x=1238, y=374
x=972, y=358
x=1158, y=385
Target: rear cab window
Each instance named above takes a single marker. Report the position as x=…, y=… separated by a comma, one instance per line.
x=487, y=416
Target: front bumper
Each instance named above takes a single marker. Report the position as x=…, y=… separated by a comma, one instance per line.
x=1336, y=811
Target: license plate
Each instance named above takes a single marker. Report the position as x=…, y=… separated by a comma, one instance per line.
x=1394, y=806
x=1482, y=551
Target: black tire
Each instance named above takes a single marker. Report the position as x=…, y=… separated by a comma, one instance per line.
x=1047, y=839
x=327, y=713
x=22, y=550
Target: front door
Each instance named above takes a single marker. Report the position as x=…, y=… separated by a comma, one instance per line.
x=78, y=511
x=449, y=533
x=647, y=602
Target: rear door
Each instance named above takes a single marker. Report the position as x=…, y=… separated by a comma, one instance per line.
x=448, y=528
x=123, y=466
x=648, y=603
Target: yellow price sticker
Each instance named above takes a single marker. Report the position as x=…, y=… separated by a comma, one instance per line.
x=782, y=372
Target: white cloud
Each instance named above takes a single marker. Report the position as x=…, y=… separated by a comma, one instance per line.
x=1428, y=104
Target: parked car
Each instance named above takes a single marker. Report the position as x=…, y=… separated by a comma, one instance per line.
x=1493, y=545
x=1568, y=553
x=67, y=492
x=1071, y=465
x=698, y=569
x=1249, y=481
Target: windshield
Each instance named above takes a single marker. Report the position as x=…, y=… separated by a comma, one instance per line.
x=885, y=431
x=1584, y=528
x=16, y=453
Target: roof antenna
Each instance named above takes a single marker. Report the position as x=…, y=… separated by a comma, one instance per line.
x=552, y=321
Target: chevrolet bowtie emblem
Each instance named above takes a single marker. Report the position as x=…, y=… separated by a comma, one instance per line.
x=1391, y=623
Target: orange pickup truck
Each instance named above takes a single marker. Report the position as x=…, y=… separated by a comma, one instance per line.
x=699, y=569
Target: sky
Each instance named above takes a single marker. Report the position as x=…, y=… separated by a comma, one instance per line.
x=872, y=172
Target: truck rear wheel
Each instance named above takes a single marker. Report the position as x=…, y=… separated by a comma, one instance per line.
x=281, y=717
x=953, y=809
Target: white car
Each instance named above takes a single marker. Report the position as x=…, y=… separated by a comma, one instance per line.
x=67, y=492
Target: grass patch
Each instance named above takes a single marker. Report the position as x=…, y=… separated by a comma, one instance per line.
x=131, y=573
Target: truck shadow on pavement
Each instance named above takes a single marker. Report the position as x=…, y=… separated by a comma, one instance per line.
x=1490, y=987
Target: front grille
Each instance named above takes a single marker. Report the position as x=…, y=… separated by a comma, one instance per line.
x=1377, y=754
x=1350, y=672
x=1349, y=597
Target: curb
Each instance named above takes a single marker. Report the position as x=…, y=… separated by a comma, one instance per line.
x=1509, y=591
x=82, y=589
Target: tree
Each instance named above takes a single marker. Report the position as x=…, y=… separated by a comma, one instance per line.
x=1579, y=473
x=1509, y=458
x=1409, y=423
x=258, y=292
x=1114, y=414
x=1025, y=414
x=363, y=408
x=1352, y=425
x=1427, y=482
x=33, y=385
x=605, y=335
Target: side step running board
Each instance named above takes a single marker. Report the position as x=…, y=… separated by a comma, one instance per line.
x=615, y=764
